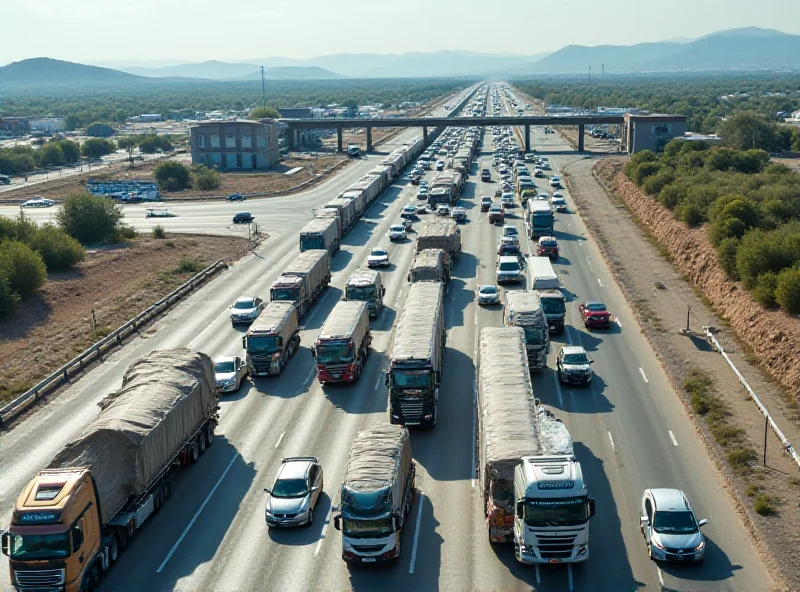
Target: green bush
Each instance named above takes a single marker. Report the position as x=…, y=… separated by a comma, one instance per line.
x=787, y=290
x=655, y=183
x=726, y=256
x=188, y=266
x=123, y=233
x=764, y=292
x=204, y=178
x=89, y=218
x=762, y=504
x=172, y=175
x=57, y=248
x=22, y=266
x=97, y=147
x=645, y=170
x=689, y=213
x=9, y=299
x=159, y=232
x=762, y=251
x=740, y=458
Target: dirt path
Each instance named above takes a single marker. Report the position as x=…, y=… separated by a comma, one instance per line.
x=117, y=283
x=661, y=298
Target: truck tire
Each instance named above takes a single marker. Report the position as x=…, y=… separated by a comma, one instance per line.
x=201, y=443
x=209, y=434
x=114, y=550
x=194, y=454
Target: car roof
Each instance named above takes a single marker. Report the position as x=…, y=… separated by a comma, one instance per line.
x=294, y=469
x=219, y=359
x=573, y=349
x=245, y=298
x=670, y=499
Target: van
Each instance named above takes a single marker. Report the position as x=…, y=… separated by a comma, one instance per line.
x=542, y=274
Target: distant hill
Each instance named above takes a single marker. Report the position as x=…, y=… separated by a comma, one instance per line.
x=748, y=48
x=46, y=72
x=212, y=69
x=293, y=73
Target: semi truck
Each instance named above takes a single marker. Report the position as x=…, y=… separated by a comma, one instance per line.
x=272, y=339
x=321, y=233
x=347, y=212
x=415, y=364
x=343, y=342
x=430, y=265
x=376, y=494
x=74, y=519
x=366, y=285
x=440, y=233
x=332, y=214
x=539, y=218
x=544, y=281
x=303, y=279
x=524, y=309
x=534, y=494
x=358, y=196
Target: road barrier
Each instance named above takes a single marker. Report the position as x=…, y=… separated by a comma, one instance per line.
x=113, y=339
x=787, y=446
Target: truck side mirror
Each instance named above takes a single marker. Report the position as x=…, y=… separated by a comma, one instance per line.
x=244, y=342
x=591, y=507
x=337, y=522
x=386, y=378
x=519, y=510
x=6, y=542
x=314, y=352
x=383, y=292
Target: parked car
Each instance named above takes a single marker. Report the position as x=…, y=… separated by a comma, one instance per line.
x=246, y=309
x=670, y=529
x=573, y=365
x=229, y=371
x=243, y=218
x=595, y=314
x=488, y=294
x=378, y=257
x=295, y=492
x=236, y=197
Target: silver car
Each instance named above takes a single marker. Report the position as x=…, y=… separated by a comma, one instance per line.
x=670, y=529
x=294, y=495
x=573, y=365
x=246, y=309
x=488, y=294
x=229, y=371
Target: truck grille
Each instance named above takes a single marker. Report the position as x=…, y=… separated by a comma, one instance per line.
x=411, y=408
x=555, y=546
x=368, y=548
x=37, y=579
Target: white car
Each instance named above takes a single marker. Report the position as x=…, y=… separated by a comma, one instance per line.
x=443, y=210
x=559, y=203
x=378, y=258
x=488, y=294
x=229, y=371
x=397, y=232
x=507, y=200
x=555, y=181
x=38, y=202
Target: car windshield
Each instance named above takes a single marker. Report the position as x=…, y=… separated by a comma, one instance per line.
x=489, y=290
x=379, y=252
x=396, y=229
x=244, y=304
x=411, y=379
x=510, y=231
x=409, y=209
x=335, y=352
x=290, y=488
x=31, y=547
x=596, y=306
x=374, y=528
x=674, y=522
x=495, y=208
x=225, y=367
x=576, y=359
x=557, y=512
x=509, y=266
x=262, y=344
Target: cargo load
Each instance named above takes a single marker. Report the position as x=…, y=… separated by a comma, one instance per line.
x=430, y=265
x=347, y=212
x=272, y=339
x=524, y=309
x=440, y=233
x=320, y=233
x=303, y=279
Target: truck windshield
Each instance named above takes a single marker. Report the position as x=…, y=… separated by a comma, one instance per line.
x=262, y=344
x=379, y=527
x=284, y=294
x=542, y=218
x=557, y=512
x=29, y=547
x=411, y=379
x=311, y=242
x=553, y=306
x=362, y=293
x=335, y=352
x=534, y=334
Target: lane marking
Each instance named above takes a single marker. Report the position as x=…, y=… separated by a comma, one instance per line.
x=643, y=376
x=280, y=439
x=569, y=577
x=601, y=283
x=614, y=448
x=324, y=531
x=420, y=501
x=618, y=322
x=197, y=514
x=377, y=381
x=672, y=437
x=660, y=577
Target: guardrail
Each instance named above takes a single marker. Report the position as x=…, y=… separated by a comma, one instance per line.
x=62, y=375
x=787, y=446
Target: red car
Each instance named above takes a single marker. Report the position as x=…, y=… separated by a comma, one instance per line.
x=595, y=314
x=547, y=247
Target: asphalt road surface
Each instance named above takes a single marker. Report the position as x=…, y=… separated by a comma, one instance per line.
x=630, y=430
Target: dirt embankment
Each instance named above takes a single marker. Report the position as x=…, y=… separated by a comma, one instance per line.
x=773, y=336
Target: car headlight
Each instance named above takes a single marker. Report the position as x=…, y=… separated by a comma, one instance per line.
x=658, y=544
x=267, y=511
x=701, y=546
x=305, y=503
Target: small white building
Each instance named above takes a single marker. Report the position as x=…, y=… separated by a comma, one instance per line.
x=49, y=125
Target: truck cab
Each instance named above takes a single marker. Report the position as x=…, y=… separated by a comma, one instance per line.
x=366, y=286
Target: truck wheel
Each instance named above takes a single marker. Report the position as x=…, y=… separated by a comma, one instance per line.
x=201, y=444
x=193, y=453
x=113, y=550
x=209, y=434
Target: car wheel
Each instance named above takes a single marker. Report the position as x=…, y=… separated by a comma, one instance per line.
x=310, y=522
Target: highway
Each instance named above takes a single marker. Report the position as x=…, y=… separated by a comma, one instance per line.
x=630, y=428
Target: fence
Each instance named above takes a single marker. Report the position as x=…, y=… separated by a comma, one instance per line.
x=62, y=375
x=787, y=446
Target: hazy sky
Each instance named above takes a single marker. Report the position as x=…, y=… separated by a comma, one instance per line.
x=96, y=31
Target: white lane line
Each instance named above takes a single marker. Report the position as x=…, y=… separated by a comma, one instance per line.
x=672, y=437
x=570, y=583
x=614, y=448
x=618, y=322
x=377, y=380
x=324, y=531
x=643, y=376
x=600, y=282
x=197, y=514
x=660, y=577
x=474, y=427
x=420, y=501
x=280, y=439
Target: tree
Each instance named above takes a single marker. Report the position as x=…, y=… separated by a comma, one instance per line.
x=204, y=178
x=57, y=248
x=51, y=154
x=172, y=175
x=644, y=170
x=151, y=143
x=97, y=147
x=9, y=299
x=99, y=130
x=22, y=266
x=787, y=290
x=265, y=113
x=71, y=150
x=749, y=130
x=89, y=218
x=127, y=143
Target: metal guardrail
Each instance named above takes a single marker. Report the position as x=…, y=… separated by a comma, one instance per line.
x=787, y=446
x=62, y=375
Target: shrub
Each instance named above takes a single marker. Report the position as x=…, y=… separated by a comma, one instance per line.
x=787, y=290
x=9, y=299
x=188, y=266
x=172, y=175
x=97, y=147
x=57, y=248
x=764, y=292
x=645, y=170
x=670, y=196
x=22, y=266
x=740, y=458
x=762, y=251
x=89, y=218
x=726, y=256
x=655, y=183
x=159, y=232
x=122, y=233
x=99, y=130
x=762, y=504
x=689, y=213
x=204, y=178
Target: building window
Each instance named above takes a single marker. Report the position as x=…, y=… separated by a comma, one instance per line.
x=216, y=159
x=230, y=140
x=214, y=141
x=247, y=141
x=231, y=161
x=262, y=141
x=201, y=142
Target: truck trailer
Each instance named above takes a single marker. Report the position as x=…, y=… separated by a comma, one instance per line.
x=303, y=279
x=440, y=233
x=366, y=285
x=321, y=233
x=534, y=494
x=343, y=342
x=430, y=265
x=545, y=282
x=272, y=339
x=347, y=212
x=376, y=495
x=415, y=364
x=73, y=519
x=524, y=309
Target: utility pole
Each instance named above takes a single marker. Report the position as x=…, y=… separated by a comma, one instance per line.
x=263, y=88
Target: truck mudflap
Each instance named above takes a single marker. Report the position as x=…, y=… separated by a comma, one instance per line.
x=499, y=524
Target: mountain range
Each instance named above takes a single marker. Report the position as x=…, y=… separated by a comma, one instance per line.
x=748, y=48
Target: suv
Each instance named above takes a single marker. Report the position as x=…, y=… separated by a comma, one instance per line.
x=669, y=527
x=509, y=269
x=573, y=365
x=486, y=203
x=496, y=214
x=294, y=495
x=242, y=217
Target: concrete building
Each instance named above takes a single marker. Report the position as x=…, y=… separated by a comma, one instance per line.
x=235, y=144
x=145, y=118
x=49, y=125
x=295, y=112
x=650, y=132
